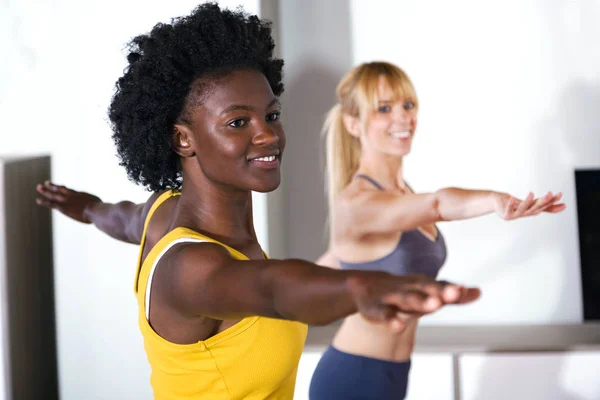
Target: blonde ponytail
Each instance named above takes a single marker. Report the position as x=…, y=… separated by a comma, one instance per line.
x=343, y=154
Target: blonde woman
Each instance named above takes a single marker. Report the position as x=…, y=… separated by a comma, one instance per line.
x=379, y=224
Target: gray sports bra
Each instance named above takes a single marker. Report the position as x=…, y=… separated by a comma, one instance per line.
x=414, y=254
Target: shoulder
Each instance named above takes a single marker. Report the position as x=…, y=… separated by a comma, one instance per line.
x=189, y=267
x=198, y=257
x=357, y=195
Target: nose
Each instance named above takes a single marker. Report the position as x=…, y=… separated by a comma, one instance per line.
x=265, y=136
x=402, y=115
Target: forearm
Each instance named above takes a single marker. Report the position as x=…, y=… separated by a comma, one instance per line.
x=116, y=220
x=292, y=289
x=305, y=292
x=456, y=204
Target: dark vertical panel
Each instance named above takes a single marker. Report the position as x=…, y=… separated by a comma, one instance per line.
x=587, y=185
x=29, y=282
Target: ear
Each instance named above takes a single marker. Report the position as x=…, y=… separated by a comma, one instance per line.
x=182, y=143
x=352, y=124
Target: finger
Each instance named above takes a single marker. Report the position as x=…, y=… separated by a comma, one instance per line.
x=443, y=290
x=551, y=208
x=414, y=301
x=63, y=189
x=452, y=293
x=379, y=314
x=554, y=199
x=56, y=188
x=46, y=203
x=469, y=295
x=555, y=208
x=42, y=190
x=458, y=294
x=525, y=205
x=49, y=194
x=540, y=203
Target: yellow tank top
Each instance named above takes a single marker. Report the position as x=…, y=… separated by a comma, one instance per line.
x=257, y=358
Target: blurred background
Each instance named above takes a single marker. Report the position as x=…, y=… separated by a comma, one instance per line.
x=509, y=97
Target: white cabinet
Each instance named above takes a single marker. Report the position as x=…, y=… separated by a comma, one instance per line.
x=431, y=377
x=516, y=376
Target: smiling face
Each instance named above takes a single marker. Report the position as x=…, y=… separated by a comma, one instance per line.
x=391, y=126
x=235, y=134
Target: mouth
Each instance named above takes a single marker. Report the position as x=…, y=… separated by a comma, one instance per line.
x=401, y=135
x=266, y=161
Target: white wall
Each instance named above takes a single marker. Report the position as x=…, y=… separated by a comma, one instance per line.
x=60, y=60
x=509, y=94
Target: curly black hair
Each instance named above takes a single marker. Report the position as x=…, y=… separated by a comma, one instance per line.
x=166, y=69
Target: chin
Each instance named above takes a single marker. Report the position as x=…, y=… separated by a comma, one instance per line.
x=397, y=152
x=266, y=187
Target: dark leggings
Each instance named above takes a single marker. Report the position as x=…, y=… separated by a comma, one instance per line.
x=343, y=376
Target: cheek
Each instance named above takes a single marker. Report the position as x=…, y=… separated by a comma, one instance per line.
x=217, y=157
x=376, y=129
x=233, y=148
x=228, y=145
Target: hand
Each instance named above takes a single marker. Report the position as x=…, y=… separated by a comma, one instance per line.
x=394, y=300
x=69, y=202
x=508, y=207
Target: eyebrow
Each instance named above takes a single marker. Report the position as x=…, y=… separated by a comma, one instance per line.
x=392, y=101
x=237, y=107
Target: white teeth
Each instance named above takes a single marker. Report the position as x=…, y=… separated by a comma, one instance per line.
x=401, y=135
x=268, y=159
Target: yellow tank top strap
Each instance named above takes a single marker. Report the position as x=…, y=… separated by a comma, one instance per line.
x=157, y=203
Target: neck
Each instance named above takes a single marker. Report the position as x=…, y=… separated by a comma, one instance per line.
x=384, y=168
x=223, y=212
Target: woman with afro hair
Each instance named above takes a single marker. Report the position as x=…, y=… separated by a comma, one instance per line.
x=196, y=120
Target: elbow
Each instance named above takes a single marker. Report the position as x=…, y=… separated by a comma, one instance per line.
x=436, y=206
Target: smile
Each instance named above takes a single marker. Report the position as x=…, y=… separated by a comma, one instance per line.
x=267, y=158
x=265, y=162
x=400, y=135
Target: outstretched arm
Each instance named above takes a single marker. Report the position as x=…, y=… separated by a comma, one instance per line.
x=203, y=279
x=123, y=221
x=376, y=211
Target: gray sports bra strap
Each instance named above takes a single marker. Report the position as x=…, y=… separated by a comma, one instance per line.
x=368, y=178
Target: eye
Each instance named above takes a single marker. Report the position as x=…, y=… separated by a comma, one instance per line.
x=237, y=123
x=274, y=116
x=409, y=105
x=384, y=109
